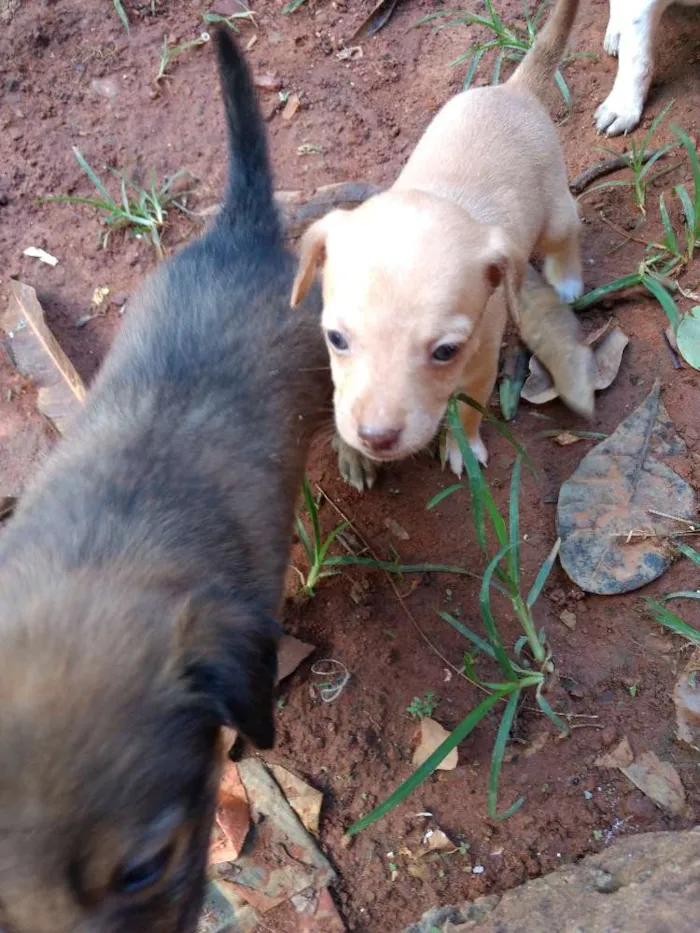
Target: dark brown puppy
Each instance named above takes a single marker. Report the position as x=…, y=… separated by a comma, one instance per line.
x=140, y=577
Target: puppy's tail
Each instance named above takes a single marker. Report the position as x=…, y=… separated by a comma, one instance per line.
x=249, y=195
x=536, y=70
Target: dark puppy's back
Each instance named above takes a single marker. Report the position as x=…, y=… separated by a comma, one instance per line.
x=206, y=403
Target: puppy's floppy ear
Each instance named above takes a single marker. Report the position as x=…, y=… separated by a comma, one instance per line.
x=311, y=254
x=506, y=265
x=227, y=650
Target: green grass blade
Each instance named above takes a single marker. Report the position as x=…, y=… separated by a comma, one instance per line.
x=689, y=552
x=475, y=639
x=563, y=88
x=121, y=13
x=670, y=620
x=466, y=726
x=312, y=511
x=694, y=163
x=72, y=199
x=443, y=494
x=653, y=285
x=476, y=56
x=304, y=538
x=681, y=594
x=514, y=524
x=492, y=632
x=496, y=75
x=655, y=124
x=499, y=427
x=83, y=163
x=670, y=241
x=550, y=714
x=659, y=154
x=497, y=761
x=330, y=539
x=690, y=216
x=598, y=294
x=543, y=574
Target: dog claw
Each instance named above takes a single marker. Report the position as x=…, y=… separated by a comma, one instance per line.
x=356, y=469
x=454, y=455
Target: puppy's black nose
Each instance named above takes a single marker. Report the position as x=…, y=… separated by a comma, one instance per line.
x=379, y=439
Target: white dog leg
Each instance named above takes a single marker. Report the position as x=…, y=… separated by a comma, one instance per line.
x=634, y=24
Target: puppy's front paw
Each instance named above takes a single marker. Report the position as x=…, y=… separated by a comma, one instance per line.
x=453, y=455
x=569, y=289
x=611, y=42
x=620, y=113
x=356, y=469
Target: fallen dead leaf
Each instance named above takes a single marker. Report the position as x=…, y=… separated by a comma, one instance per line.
x=620, y=757
x=38, y=355
x=432, y=734
x=232, y=818
x=291, y=107
x=280, y=859
x=396, y=529
x=225, y=912
x=611, y=543
x=608, y=358
x=290, y=653
x=595, y=336
x=377, y=19
x=565, y=439
x=303, y=799
x=686, y=698
x=268, y=82
x=317, y=912
x=659, y=780
x=435, y=840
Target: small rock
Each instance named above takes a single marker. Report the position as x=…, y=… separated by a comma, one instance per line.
x=568, y=618
x=268, y=82
x=105, y=87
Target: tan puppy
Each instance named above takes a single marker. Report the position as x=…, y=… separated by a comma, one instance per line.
x=409, y=274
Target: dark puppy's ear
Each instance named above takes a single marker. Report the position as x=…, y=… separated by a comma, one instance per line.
x=228, y=652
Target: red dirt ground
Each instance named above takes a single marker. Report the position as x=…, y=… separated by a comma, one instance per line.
x=58, y=61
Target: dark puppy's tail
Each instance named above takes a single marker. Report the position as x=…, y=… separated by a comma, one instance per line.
x=539, y=66
x=249, y=195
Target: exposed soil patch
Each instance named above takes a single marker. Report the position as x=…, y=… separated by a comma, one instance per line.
x=72, y=76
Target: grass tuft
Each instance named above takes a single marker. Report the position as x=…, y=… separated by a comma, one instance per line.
x=143, y=211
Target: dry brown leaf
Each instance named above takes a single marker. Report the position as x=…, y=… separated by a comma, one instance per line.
x=539, y=388
x=317, y=912
x=435, y=840
x=608, y=358
x=303, y=799
x=377, y=19
x=659, y=780
x=565, y=439
x=290, y=653
x=620, y=757
x=232, y=818
x=432, y=734
x=686, y=697
x=37, y=354
x=396, y=529
x=613, y=539
x=267, y=82
x=597, y=335
x=291, y=107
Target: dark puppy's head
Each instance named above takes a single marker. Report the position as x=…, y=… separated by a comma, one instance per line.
x=111, y=702
x=114, y=684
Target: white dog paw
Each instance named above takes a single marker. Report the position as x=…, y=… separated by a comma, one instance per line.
x=611, y=42
x=618, y=115
x=454, y=454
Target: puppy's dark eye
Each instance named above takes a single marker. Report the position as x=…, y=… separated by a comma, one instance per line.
x=336, y=340
x=446, y=352
x=139, y=874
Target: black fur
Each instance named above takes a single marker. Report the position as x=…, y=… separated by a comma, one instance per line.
x=141, y=574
